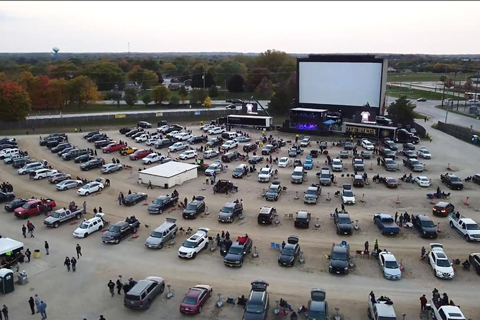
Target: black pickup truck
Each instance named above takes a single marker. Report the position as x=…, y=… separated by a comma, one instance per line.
x=451, y=181
x=425, y=226
x=237, y=252
x=413, y=164
x=120, y=230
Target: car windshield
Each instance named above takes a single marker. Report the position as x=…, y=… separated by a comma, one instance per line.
x=389, y=162
x=428, y=224
x=83, y=225
x=391, y=264
x=211, y=167
x=227, y=209
x=316, y=314
x=159, y=201
x=254, y=307
x=264, y=171
x=26, y=206
x=339, y=256
x=288, y=252
x=114, y=229
x=324, y=176
x=189, y=244
x=272, y=190
x=392, y=180
x=238, y=170
x=236, y=250
x=190, y=301
x=311, y=192
x=156, y=234
x=344, y=221
x=56, y=214
x=347, y=193
x=472, y=227
x=443, y=263
x=191, y=206
x=454, y=179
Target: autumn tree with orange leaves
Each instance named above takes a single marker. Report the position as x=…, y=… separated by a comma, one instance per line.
x=14, y=102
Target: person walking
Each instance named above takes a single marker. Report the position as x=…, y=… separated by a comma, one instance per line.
x=5, y=312
x=149, y=186
x=30, y=228
x=37, y=302
x=43, y=310
x=375, y=246
x=111, y=287
x=79, y=251
x=119, y=199
x=119, y=287
x=24, y=231
x=31, y=303
x=47, y=247
x=122, y=196
x=423, y=303
x=67, y=263
x=28, y=254
x=73, y=261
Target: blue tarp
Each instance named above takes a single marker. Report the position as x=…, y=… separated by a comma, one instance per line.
x=329, y=122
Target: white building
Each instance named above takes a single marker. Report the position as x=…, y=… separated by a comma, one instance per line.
x=168, y=174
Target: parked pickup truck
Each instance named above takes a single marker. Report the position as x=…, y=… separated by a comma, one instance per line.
x=445, y=312
x=385, y=223
x=425, y=226
x=465, y=226
x=237, y=252
x=413, y=164
x=451, y=181
x=62, y=215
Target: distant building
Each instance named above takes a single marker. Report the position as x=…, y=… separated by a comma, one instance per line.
x=390, y=69
x=173, y=87
x=188, y=83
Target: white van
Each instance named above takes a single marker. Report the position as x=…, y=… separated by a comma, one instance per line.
x=229, y=135
x=7, y=153
x=297, y=175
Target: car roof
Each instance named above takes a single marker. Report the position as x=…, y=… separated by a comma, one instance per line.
x=302, y=214
x=256, y=295
x=139, y=287
x=265, y=210
x=230, y=204
x=389, y=256
x=120, y=223
x=442, y=204
x=385, y=310
x=343, y=215
x=424, y=217
x=194, y=292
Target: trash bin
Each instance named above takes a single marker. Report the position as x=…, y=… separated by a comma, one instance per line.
x=22, y=278
x=36, y=253
x=6, y=281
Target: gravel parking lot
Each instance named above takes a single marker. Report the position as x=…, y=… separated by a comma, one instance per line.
x=84, y=294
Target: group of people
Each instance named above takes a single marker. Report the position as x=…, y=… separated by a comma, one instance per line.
x=120, y=285
x=6, y=187
x=403, y=220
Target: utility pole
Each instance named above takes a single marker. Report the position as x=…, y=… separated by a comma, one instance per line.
x=203, y=78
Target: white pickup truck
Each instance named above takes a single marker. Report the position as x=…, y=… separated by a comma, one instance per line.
x=446, y=312
x=465, y=226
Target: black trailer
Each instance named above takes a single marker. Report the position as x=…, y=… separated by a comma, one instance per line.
x=363, y=130
x=263, y=122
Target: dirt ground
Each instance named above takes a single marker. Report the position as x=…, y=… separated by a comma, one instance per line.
x=85, y=294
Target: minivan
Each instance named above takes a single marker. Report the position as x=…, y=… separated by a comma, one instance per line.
x=159, y=236
x=143, y=293
x=297, y=175
x=30, y=167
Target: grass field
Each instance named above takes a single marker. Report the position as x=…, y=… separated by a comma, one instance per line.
x=415, y=94
x=419, y=77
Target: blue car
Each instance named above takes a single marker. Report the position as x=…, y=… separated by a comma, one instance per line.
x=308, y=165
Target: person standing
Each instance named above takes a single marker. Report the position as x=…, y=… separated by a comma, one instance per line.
x=119, y=287
x=119, y=199
x=67, y=263
x=5, y=312
x=47, y=247
x=111, y=287
x=43, y=310
x=30, y=228
x=37, y=302
x=31, y=303
x=24, y=231
x=102, y=318
x=423, y=303
x=79, y=251
x=366, y=246
x=73, y=261
x=28, y=254
x=396, y=217
x=84, y=206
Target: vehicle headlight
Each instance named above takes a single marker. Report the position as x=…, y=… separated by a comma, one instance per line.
x=438, y=273
x=329, y=267
x=346, y=268
x=424, y=232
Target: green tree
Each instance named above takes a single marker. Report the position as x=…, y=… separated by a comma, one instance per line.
x=213, y=92
x=202, y=95
x=194, y=98
x=14, y=102
x=169, y=69
x=182, y=91
x=235, y=83
x=402, y=111
x=81, y=91
x=254, y=77
x=443, y=78
x=264, y=89
x=283, y=97
x=146, y=78
x=150, y=64
x=66, y=70
x=130, y=96
x=174, y=99
x=147, y=98
x=226, y=69
x=280, y=63
x=160, y=94
x=105, y=74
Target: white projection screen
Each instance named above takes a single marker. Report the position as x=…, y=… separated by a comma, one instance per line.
x=340, y=83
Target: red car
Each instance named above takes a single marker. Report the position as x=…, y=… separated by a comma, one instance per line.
x=390, y=182
x=34, y=208
x=195, y=299
x=140, y=154
x=113, y=147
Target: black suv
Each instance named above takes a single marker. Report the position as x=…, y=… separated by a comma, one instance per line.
x=97, y=137
x=425, y=225
x=255, y=159
x=339, y=258
x=90, y=134
x=212, y=143
x=249, y=147
x=91, y=164
x=342, y=222
x=230, y=210
x=83, y=158
x=72, y=154
x=196, y=139
x=231, y=156
x=266, y=215
x=389, y=144
x=302, y=220
x=164, y=143
x=119, y=231
x=290, y=252
x=194, y=208
x=256, y=307
x=61, y=147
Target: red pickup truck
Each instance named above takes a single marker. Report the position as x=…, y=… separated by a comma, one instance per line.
x=113, y=147
x=34, y=208
x=140, y=154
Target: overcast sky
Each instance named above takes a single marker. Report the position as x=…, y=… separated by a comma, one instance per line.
x=295, y=27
